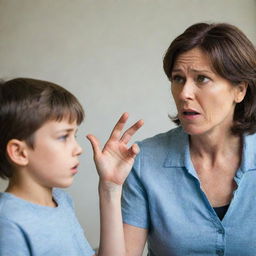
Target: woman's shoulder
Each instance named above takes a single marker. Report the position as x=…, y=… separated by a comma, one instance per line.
x=165, y=139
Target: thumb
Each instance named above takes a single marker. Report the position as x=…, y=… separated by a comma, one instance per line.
x=95, y=144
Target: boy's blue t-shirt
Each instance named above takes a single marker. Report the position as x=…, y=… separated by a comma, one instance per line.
x=28, y=229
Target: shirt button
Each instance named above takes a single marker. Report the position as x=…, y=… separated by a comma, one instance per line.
x=221, y=231
x=220, y=252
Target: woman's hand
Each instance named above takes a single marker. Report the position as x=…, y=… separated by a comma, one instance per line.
x=115, y=161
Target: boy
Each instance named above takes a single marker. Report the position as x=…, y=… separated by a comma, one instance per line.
x=38, y=151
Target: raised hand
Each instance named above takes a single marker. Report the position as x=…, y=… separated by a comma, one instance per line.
x=115, y=161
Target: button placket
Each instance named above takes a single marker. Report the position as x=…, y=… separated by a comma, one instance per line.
x=220, y=252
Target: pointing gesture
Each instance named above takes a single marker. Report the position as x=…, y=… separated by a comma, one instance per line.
x=115, y=161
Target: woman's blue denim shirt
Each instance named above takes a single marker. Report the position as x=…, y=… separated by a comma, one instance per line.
x=163, y=194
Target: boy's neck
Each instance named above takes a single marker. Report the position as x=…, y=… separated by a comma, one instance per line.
x=31, y=192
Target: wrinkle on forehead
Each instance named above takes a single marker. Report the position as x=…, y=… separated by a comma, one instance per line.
x=194, y=60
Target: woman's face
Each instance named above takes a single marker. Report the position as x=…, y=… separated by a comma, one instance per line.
x=205, y=101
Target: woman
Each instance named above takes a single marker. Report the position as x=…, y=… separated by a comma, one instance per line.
x=192, y=190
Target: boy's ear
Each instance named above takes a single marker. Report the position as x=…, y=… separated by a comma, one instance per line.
x=17, y=152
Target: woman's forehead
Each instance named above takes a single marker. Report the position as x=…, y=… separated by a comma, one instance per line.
x=193, y=60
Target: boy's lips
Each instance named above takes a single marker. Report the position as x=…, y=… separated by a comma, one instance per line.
x=74, y=169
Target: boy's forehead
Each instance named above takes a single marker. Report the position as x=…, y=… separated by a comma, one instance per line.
x=58, y=125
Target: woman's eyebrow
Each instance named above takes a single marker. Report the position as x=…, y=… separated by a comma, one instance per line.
x=194, y=70
x=176, y=70
x=201, y=70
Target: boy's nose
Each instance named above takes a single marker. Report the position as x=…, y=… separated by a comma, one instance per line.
x=78, y=149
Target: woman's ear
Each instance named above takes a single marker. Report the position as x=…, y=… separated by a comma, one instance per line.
x=17, y=152
x=241, y=91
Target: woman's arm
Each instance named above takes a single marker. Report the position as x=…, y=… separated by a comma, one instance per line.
x=113, y=164
x=135, y=239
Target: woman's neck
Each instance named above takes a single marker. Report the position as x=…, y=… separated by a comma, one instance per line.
x=213, y=145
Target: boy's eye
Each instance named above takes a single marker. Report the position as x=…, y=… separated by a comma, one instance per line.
x=63, y=137
x=202, y=79
x=177, y=79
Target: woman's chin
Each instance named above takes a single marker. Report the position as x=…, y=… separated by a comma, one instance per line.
x=193, y=130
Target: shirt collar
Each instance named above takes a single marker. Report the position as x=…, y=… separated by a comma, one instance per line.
x=178, y=148
x=248, y=162
x=179, y=154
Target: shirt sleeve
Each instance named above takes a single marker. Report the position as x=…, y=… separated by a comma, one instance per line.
x=12, y=240
x=134, y=198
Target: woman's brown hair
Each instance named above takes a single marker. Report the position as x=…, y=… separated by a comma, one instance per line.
x=233, y=57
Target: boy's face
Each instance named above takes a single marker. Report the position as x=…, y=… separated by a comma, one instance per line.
x=54, y=160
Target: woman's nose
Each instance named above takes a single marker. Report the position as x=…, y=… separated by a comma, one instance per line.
x=187, y=91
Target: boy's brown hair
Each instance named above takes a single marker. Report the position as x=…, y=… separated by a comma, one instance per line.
x=25, y=105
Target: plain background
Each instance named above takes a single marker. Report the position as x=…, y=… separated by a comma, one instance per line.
x=109, y=54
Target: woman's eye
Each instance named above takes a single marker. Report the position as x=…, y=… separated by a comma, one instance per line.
x=178, y=79
x=202, y=79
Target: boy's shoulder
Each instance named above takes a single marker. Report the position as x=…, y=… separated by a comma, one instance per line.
x=26, y=225
x=18, y=210
x=9, y=205
x=13, y=209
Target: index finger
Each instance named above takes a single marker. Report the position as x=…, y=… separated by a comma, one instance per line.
x=116, y=132
x=131, y=131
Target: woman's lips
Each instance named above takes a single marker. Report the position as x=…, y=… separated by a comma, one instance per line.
x=190, y=114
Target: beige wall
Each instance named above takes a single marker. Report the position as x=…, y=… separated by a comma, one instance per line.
x=108, y=53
